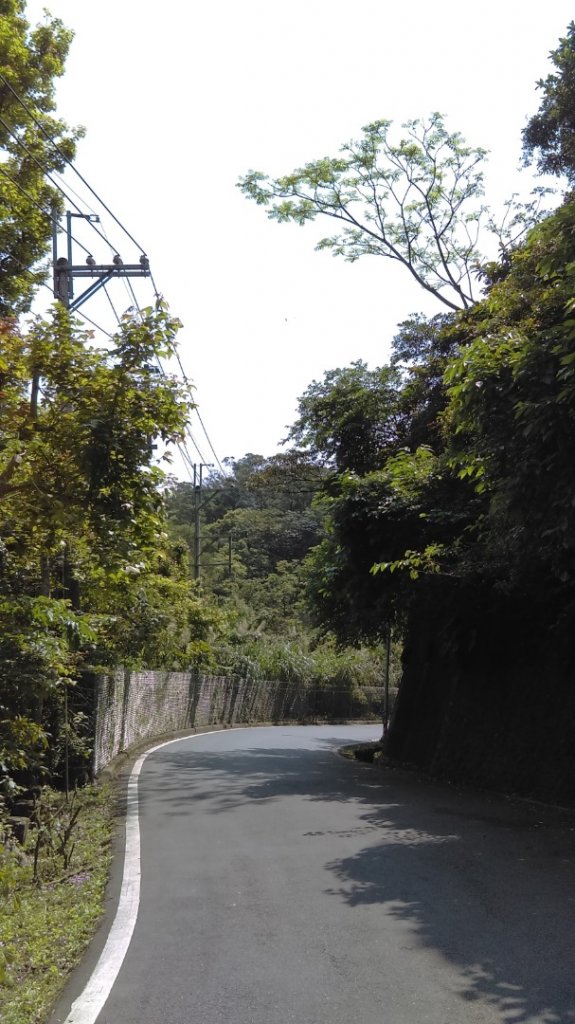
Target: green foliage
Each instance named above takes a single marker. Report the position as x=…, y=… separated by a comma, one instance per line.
x=265, y=626
x=276, y=602
x=151, y=617
x=79, y=461
x=310, y=664
x=47, y=921
x=512, y=406
x=80, y=518
x=351, y=419
x=30, y=61
x=22, y=746
x=56, y=822
x=446, y=473
x=375, y=520
x=287, y=481
x=39, y=641
x=550, y=133
x=264, y=537
x=264, y=505
x=416, y=199
x=421, y=351
x=448, y=504
x=488, y=500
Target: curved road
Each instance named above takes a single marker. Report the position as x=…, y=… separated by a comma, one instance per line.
x=284, y=884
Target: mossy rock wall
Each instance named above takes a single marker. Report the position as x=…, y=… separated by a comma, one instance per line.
x=488, y=694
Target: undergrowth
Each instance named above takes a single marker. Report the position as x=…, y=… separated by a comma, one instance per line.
x=51, y=899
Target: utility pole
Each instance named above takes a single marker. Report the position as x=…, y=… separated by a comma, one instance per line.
x=198, y=482
x=66, y=271
x=198, y=469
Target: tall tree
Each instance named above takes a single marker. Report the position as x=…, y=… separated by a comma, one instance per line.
x=550, y=133
x=83, y=553
x=511, y=411
x=351, y=419
x=78, y=428
x=31, y=59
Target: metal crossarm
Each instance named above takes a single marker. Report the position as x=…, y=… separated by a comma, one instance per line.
x=65, y=270
x=64, y=274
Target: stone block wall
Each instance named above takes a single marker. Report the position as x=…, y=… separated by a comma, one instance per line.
x=131, y=707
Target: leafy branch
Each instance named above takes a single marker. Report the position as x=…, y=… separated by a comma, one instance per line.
x=416, y=201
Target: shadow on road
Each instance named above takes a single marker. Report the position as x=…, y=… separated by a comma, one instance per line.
x=486, y=883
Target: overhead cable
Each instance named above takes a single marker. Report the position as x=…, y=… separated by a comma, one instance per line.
x=34, y=202
x=78, y=312
x=208, y=439
x=59, y=187
x=72, y=202
x=182, y=446
x=111, y=304
x=197, y=411
x=66, y=159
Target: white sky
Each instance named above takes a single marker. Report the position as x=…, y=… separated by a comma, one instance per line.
x=180, y=99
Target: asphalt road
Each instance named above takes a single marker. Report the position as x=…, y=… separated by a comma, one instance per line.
x=284, y=884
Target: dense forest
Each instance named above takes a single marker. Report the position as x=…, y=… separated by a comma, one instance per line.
x=451, y=505
x=431, y=499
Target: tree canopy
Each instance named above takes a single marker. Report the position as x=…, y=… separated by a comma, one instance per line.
x=434, y=492
x=86, y=570
x=416, y=199
x=550, y=133
x=33, y=142
x=350, y=420
x=470, y=470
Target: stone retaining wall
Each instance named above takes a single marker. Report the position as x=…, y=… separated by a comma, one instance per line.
x=135, y=706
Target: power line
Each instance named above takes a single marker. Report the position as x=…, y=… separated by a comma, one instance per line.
x=208, y=439
x=77, y=312
x=181, y=446
x=83, y=315
x=107, y=294
x=92, y=322
x=185, y=455
x=68, y=161
x=43, y=284
x=38, y=205
x=63, y=192
x=132, y=294
x=187, y=459
x=197, y=411
x=156, y=292
x=29, y=153
x=191, y=437
x=129, y=286
x=78, y=196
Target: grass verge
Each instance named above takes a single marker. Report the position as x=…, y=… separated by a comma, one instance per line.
x=51, y=900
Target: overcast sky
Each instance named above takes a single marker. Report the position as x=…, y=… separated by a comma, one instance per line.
x=180, y=99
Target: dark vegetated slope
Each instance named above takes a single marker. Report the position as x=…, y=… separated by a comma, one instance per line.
x=488, y=695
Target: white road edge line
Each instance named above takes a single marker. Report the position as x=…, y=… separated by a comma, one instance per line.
x=86, y=1008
